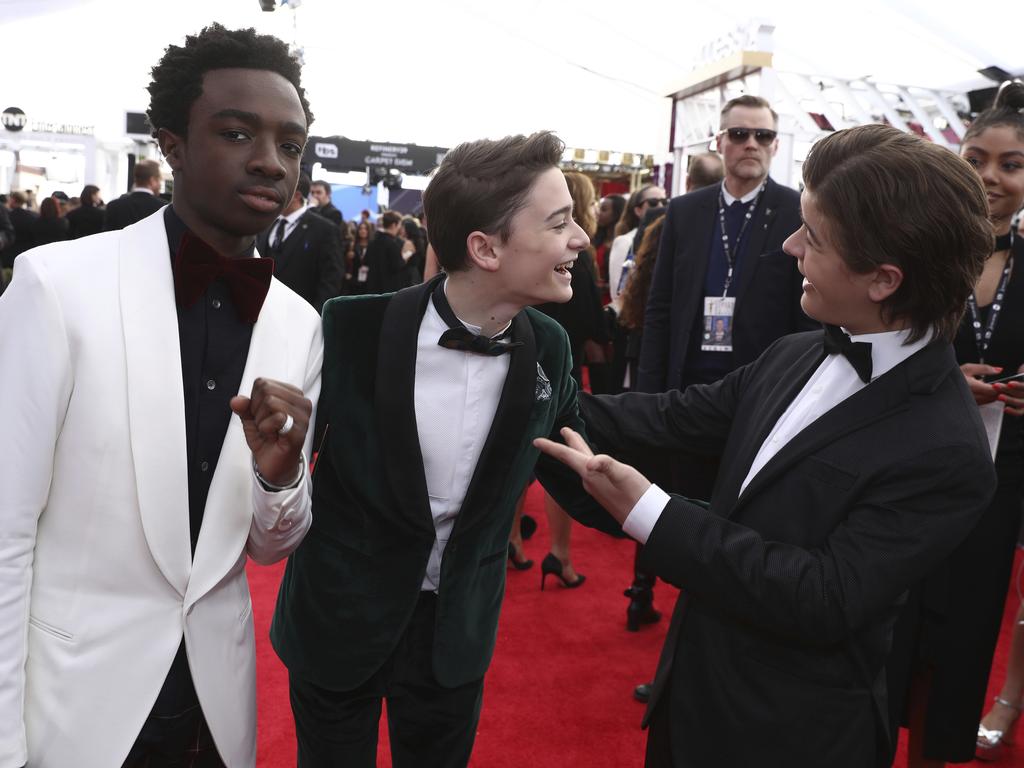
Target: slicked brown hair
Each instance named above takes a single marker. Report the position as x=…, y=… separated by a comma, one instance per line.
x=480, y=186
x=751, y=102
x=893, y=198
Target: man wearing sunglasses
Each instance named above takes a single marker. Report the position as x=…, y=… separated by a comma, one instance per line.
x=721, y=266
x=721, y=257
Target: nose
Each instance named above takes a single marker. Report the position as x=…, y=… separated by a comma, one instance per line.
x=265, y=159
x=581, y=240
x=793, y=246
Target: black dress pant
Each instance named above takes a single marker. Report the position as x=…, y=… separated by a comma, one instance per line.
x=429, y=726
x=177, y=741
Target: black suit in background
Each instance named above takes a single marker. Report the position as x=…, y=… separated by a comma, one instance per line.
x=85, y=220
x=22, y=220
x=777, y=648
x=767, y=295
x=310, y=261
x=130, y=208
x=329, y=212
x=49, y=230
x=388, y=271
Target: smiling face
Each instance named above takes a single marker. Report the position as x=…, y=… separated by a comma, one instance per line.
x=535, y=262
x=748, y=161
x=997, y=154
x=237, y=167
x=832, y=292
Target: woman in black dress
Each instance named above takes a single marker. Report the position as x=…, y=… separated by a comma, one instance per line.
x=944, y=642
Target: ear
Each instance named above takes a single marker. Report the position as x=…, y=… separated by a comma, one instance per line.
x=481, y=252
x=887, y=280
x=171, y=147
x=775, y=146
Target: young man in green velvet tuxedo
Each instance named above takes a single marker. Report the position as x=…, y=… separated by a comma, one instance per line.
x=433, y=396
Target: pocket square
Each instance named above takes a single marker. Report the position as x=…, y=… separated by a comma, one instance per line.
x=543, y=389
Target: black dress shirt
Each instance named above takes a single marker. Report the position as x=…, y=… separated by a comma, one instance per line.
x=214, y=347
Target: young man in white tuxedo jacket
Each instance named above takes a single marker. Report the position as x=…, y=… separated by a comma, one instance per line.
x=130, y=495
x=851, y=463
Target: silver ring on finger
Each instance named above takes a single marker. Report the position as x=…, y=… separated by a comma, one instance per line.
x=289, y=422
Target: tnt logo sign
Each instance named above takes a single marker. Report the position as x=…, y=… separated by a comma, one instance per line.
x=326, y=151
x=14, y=119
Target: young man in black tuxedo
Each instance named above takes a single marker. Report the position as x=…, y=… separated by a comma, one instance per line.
x=131, y=497
x=851, y=465
x=306, y=249
x=320, y=194
x=432, y=397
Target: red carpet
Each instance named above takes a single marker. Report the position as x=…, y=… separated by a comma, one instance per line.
x=559, y=692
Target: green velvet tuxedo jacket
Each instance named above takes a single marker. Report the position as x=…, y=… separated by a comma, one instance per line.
x=350, y=589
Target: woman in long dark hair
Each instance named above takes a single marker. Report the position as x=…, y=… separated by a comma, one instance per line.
x=50, y=227
x=356, y=269
x=944, y=642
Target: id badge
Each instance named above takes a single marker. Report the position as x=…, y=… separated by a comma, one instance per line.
x=364, y=272
x=718, y=313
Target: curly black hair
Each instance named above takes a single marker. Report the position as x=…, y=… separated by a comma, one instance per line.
x=178, y=76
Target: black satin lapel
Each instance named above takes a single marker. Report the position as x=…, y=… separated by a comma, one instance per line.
x=503, y=441
x=876, y=401
x=395, y=404
x=775, y=405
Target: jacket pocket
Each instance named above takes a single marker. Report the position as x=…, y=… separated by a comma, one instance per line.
x=51, y=630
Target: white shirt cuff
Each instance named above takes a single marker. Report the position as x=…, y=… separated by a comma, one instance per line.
x=645, y=513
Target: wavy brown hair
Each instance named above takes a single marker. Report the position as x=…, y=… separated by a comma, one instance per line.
x=893, y=198
x=634, y=297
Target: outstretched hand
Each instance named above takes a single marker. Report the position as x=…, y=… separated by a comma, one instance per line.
x=264, y=414
x=616, y=486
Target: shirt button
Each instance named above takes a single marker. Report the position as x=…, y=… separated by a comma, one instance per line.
x=211, y=384
x=204, y=466
x=215, y=303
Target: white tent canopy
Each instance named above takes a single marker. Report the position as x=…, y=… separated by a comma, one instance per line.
x=596, y=72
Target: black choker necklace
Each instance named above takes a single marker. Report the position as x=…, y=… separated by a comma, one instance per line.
x=1003, y=242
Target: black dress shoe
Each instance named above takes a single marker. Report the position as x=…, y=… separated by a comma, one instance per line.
x=517, y=558
x=527, y=526
x=641, y=608
x=643, y=692
x=551, y=565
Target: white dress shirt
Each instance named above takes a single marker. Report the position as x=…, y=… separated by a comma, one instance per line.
x=832, y=382
x=291, y=220
x=616, y=261
x=456, y=396
x=730, y=199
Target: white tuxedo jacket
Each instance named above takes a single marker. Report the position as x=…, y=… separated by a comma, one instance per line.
x=97, y=581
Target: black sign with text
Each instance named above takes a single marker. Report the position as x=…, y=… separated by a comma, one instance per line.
x=336, y=153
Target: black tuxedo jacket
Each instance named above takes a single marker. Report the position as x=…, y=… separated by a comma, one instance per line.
x=350, y=589
x=777, y=646
x=328, y=212
x=130, y=208
x=388, y=270
x=767, y=297
x=310, y=261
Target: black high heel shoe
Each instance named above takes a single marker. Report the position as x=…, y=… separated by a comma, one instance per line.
x=519, y=565
x=552, y=565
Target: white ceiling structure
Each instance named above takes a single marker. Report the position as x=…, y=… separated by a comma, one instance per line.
x=438, y=73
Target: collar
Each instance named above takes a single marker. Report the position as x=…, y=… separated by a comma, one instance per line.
x=888, y=348
x=295, y=215
x=730, y=199
x=147, y=190
x=176, y=229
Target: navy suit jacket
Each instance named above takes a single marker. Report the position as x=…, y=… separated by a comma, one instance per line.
x=768, y=294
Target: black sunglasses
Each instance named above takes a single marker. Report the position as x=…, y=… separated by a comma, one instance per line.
x=762, y=136
x=654, y=202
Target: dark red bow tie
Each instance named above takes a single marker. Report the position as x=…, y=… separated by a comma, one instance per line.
x=196, y=265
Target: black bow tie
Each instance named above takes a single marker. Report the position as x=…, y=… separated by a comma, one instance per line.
x=857, y=352
x=460, y=337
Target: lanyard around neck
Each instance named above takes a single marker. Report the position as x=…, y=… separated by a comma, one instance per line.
x=983, y=336
x=730, y=255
